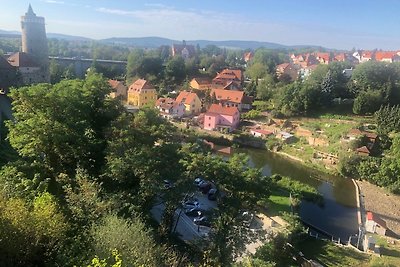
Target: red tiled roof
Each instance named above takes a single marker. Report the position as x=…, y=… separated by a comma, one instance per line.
x=221, y=110
x=375, y=218
x=228, y=95
x=186, y=97
x=22, y=59
x=202, y=80
x=140, y=84
x=324, y=56
x=230, y=74
x=367, y=54
x=379, y=55
x=114, y=83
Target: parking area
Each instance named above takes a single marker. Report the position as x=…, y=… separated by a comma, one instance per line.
x=192, y=219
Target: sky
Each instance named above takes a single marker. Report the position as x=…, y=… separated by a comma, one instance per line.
x=340, y=24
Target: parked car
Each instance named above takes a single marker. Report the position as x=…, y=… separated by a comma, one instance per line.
x=168, y=184
x=198, y=181
x=194, y=212
x=202, y=220
x=213, y=194
x=205, y=187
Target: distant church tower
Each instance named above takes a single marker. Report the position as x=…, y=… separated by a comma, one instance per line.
x=34, y=40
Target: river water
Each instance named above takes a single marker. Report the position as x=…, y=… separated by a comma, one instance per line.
x=338, y=215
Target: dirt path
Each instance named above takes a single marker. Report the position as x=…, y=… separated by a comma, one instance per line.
x=384, y=204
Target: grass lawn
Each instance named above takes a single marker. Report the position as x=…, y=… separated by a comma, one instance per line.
x=390, y=253
x=278, y=202
x=330, y=254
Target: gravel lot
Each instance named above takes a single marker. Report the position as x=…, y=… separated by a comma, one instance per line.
x=384, y=204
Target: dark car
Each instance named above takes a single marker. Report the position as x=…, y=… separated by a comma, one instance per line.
x=205, y=187
x=213, y=194
x=194, y=212
x=202, y=220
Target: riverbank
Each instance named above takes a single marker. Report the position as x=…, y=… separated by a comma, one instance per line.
x=384, y=204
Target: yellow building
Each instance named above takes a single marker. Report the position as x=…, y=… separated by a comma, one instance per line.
x=200, y=84
x=141, y=93
x=191, y=101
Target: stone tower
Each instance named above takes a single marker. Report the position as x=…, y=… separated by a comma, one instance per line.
x=34, y=40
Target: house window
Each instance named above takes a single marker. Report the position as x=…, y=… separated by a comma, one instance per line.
x=145, y=97
x=209, y=125
x=209, y=118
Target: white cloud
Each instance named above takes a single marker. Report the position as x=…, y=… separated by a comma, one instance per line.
x=54, y=2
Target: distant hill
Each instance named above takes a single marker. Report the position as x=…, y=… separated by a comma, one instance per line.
x=155, y=42
x=67, y=37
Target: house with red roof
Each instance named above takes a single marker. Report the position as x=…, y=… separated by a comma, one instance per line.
x=229, y=79
x=248, y=56
x=169, y=108
x=191, y=102
x=28, y=67
x=201, y=84
x=221, y=118
x=287, y=72
x=118, y=89
x=323, y=58
x=367, y=56
x=386, y=56
x=141, y=93
x=375, y=224
x=231, y=98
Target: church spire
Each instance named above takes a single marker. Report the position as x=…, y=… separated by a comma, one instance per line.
x=30, y=11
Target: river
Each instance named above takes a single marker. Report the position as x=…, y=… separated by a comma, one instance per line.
x=338, y=215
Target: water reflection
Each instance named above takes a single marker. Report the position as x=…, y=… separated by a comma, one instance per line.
x=338, y=214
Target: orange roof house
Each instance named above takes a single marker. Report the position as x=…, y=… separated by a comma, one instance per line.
x=248, y=56
x=386, y=56
x=287, y=71
x=22, y=60
x=229, y=98
x=141, y=93
x=169, y=108
x=200, y=84
x=228, y=76
x=220, y=118
x=191, y=101
x=323, y=58
x=118, y=89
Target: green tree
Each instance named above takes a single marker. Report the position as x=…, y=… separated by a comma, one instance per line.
x=31, y=232
x=65, y=126
x=131, y=238
x=175, y=71
x=367, y=102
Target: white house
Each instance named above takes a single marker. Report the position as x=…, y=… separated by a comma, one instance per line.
x=169, y=108
x=375, y=224
x=260, y=133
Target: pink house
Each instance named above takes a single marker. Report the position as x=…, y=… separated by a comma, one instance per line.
x=220, y=118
